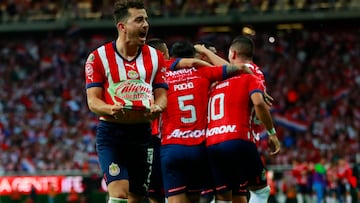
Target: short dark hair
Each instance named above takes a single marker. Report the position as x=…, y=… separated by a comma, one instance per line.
x=121, y=8
x=183, y=49
x=244, y=46
x=155, y=42
x=158, y=44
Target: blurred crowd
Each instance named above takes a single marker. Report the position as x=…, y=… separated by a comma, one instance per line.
x=323, y=181
x=44, y=120
x=27, y=10
x=45, y=124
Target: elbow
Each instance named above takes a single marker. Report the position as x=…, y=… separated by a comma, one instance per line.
x=260, y=104
x=91, y=106
x=92, y=109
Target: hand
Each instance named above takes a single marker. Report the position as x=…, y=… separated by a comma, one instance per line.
x=200, y=48
x=155, y=111
x=268, y=99
x=274, y=144
x=155, y=108
x=117, y=111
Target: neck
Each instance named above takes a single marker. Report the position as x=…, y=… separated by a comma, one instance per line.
x=242, y=61
x=126, y=49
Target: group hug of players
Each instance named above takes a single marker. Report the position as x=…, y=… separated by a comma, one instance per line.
x=205, y=140
x=207, y=114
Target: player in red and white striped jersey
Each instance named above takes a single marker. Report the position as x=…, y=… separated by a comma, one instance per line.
x=121, y=79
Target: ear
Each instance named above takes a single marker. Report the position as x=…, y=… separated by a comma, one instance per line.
x=121, y=26
x=232, y=54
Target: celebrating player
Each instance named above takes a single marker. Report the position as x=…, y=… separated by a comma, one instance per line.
x=121, y=79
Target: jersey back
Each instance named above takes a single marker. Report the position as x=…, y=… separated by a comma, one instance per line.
x=231, y=112
x=184, y=120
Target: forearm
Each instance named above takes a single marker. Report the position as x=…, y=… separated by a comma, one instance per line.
x=237, y=69
x=191, y=62
x=215, y=59
x=99, y=107
x=263, y=114
x=160, y=97
x=200, y=63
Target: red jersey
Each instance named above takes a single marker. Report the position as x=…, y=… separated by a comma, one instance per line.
x=155, y=128
x=256, y=70
x=257, y=127
x=345, y=174
x=129, y=83
x=300, y=173
x=230, y=109
x=184, y=120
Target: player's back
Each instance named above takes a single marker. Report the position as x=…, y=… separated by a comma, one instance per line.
x=230, y=109
x=184, y=120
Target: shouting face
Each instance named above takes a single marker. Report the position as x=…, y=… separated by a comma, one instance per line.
x=136, y=26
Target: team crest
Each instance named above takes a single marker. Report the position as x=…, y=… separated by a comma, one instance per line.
x=114, y=169
x=89, y=70
x=132, y=74
x=91, y=58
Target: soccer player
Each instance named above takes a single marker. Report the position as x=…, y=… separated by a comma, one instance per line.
x=125, y=86
x=230, y=139
x=155, y=192
x=207, y=195
x=207, y=51
x=241, y=51
x=183, y=125
x=156, y=189
x=160, y=45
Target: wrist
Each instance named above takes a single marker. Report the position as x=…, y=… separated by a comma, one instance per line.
x=158, y=107
x=271, y=131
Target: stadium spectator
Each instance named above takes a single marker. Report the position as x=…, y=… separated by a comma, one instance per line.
x=51, y=194
x=45, y=10
x=318, y=179
x=73, y=196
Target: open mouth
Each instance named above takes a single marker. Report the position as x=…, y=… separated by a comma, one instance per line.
x=142, y=34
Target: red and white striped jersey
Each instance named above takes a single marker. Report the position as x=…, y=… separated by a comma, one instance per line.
x=129, y=83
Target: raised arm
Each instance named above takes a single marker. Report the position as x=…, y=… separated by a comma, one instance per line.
x=191, y=62
x=211, y=56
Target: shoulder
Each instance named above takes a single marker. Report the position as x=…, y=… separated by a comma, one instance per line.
x=255, y=69
x=146, y=47
x=107, y=45
x=252, y=78
x=98, y=49
x=151, y=51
